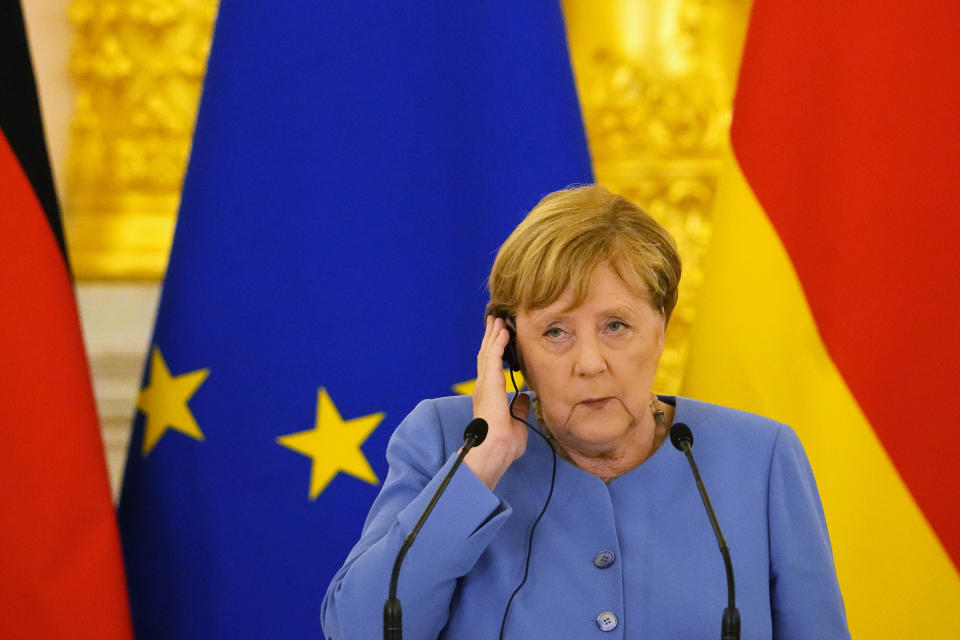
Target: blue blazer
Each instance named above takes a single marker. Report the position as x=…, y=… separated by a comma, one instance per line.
x=632, y=558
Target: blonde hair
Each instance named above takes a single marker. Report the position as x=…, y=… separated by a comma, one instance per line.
x=564, y=238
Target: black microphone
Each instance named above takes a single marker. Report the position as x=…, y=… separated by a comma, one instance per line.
x=473, y=435
x=682, y=439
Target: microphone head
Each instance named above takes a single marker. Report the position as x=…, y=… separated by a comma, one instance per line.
x=477, y=429
x=680, y=433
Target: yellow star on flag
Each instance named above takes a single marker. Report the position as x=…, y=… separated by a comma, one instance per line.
x=164, y=402
x=334, y=445
x=466, y=388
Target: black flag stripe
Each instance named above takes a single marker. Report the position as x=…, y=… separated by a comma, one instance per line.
x=20, y=113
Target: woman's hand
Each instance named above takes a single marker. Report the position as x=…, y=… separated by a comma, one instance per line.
x=507, y=438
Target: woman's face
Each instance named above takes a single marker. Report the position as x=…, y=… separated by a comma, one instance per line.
x=592, y=366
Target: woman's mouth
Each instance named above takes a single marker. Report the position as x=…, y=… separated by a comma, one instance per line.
x=596, y=403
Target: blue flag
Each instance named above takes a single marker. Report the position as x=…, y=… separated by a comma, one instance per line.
x=354, y=169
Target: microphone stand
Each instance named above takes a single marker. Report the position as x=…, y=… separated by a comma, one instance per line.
x=474, y=434
x=682, y=439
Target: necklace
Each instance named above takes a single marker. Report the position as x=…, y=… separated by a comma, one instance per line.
x=659, y=433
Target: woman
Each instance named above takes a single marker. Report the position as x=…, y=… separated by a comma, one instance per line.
x=613, y=538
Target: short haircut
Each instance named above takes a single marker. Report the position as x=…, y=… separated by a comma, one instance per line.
x=565, y=237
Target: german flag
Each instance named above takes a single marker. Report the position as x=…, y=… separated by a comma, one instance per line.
x=832, y=297
x=61, y=574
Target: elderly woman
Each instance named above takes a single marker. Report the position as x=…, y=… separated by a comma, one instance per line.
x=611, y=539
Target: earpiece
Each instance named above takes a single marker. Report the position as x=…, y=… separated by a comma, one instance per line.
x=511, y=356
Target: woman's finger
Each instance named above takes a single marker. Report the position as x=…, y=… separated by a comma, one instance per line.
x=494, y=341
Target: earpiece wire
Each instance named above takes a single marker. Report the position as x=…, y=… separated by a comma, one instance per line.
x=553, y=480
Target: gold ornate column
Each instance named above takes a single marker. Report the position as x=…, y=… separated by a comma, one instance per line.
x=138, y=67
x=656, y=81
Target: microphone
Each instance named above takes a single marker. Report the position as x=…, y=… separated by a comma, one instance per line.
x=682, y=439
x=477, y=430
x=473, y=435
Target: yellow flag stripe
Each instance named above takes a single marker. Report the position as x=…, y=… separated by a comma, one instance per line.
x=756, y=347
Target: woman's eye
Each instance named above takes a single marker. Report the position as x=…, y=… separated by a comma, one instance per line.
x=616, y=325
x=553, y=332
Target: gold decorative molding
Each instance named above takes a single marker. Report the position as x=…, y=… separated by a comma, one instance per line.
x=656, y=81
x=138, y=67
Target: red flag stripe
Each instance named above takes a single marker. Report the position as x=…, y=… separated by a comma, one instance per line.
x=846, y=127
x=59, y=547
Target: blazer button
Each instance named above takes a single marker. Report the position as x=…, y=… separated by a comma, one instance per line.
x=604, y=559
x=607, y=621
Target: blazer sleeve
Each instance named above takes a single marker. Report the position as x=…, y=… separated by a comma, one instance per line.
x=462, y=525
x=805, y=597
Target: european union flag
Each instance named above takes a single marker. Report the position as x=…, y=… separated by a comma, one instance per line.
x=354, y=169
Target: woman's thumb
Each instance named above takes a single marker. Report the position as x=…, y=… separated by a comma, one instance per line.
x=520, y=407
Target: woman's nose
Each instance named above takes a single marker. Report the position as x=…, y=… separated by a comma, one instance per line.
x=589, y=358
